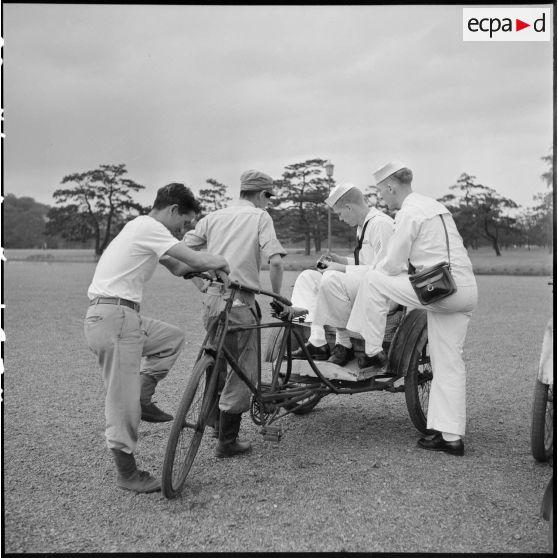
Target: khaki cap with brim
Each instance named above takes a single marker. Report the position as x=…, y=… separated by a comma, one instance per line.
x=256, y=181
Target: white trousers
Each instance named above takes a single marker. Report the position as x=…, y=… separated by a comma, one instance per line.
x=447, y=321
x=328, y=297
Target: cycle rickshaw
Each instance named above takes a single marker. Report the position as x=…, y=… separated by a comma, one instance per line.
x=285, y=386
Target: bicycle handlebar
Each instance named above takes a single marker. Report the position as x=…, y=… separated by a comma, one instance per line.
x=281, y=299
x=201, y=274
x=236, y=285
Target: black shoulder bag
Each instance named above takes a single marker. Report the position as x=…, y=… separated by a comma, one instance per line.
x=436, y=282
x=359, y=243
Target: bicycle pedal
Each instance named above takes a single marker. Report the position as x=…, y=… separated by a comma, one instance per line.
x=272, y=433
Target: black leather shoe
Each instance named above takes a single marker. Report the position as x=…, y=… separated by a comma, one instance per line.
x=341, y=355
x=317, y=353
x=377, y=361
x=436, y=442
x=152, y=413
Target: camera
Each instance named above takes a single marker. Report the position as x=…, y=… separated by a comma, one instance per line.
x=322, y=262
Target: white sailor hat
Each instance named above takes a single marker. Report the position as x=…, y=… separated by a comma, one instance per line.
x=339, y=191
x=387, y=170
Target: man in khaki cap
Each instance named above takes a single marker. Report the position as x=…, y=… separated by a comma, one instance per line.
x=243, y=233
x=329, y=293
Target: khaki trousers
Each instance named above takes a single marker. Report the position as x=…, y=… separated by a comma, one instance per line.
x=447, y=321
x=127, y=345
x=235, y=394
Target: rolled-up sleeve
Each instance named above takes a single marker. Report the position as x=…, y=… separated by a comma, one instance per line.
x=196, y=238
x=269, y=244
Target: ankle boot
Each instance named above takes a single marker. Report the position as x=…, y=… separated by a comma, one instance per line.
x=214, y=422
x=130, y=477
x=149, y=411
x=229, y=444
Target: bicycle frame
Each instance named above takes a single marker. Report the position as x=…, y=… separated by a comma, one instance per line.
x=280, y=393
x=271, y=396
x=290, y=389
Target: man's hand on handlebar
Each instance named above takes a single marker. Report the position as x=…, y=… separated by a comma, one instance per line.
x=286, y=313
x=222, y=276
x=215, y=275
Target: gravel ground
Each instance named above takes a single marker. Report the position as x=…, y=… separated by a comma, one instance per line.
x=347, y=477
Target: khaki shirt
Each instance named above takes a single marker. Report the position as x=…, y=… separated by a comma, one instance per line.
x=243, y=234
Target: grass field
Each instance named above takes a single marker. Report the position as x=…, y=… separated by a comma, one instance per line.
x=347, y=477
x=514, y=261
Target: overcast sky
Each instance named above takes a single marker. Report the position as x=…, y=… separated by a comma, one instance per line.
x=187, y=93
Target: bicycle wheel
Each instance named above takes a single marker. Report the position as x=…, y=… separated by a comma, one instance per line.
x=273, y=344
x=542, y=433
x=418, y=380
x=188, y=427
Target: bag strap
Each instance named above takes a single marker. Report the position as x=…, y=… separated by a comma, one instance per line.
x=411, y=268
x=447, y=239
x=360, y=241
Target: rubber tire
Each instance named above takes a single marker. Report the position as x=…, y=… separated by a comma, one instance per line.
x=194, y=406
x=542, y=433
x=273, y=344
x=417, y=394
x=551, y=530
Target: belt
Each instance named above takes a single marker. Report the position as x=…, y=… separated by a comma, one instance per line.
x=119, y=301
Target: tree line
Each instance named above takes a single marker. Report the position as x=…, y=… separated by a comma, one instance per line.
x=93, y=206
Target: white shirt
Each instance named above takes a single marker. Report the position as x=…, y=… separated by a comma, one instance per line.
x=242, y=233
x=130, y=259
x=419, y=237
x=374, y=244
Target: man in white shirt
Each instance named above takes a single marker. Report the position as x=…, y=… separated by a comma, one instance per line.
x=244, y=233
x=420, y=239
x=329, y=293
x=133, y=351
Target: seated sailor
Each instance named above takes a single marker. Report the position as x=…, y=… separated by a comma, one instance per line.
x=329, y=293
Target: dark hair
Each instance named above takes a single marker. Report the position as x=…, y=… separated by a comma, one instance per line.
x=176, y=193
x=249, y=194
